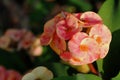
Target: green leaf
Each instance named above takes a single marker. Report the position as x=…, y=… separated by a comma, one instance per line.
x=117, y=77
x=79, y=77
x=111, y=64
x=12, y=61
x=100, y=65
x=60, y=69
x=82, y=4
x=110, y=13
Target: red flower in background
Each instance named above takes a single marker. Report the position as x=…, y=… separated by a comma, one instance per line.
x=9, y=74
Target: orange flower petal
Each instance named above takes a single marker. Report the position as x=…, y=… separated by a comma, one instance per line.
x=58, y=45
x=45, y=39
x=49, y=27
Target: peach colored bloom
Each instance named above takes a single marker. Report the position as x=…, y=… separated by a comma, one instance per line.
x=78, y=38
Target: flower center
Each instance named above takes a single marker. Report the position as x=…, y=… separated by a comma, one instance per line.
x=99, y=40
x=83, y=47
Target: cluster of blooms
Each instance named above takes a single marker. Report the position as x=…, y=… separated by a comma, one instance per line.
x=39, y=73
x=17, y=39
x=78, y=38
x=9, y=74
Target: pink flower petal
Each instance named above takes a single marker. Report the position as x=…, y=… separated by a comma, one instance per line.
x=103, y=36
x=13, y=75
x=66, y=56
x=73, y=44
x=104, y=48
x=101, y=31
x=90, y=18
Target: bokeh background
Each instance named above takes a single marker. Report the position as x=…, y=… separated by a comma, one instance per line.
x=31, y=15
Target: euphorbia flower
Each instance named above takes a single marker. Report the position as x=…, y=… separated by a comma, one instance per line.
x=78, y=38
x=39, y=73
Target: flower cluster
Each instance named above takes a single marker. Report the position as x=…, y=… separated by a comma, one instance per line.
x=39, y=73
x=17, y=39
x=78, y=38
x=9, y=74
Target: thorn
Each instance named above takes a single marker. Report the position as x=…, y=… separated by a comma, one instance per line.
x=63, y=14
